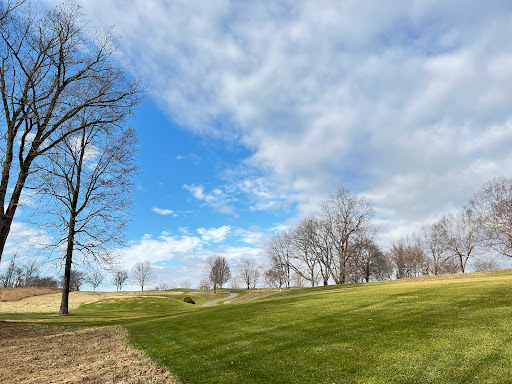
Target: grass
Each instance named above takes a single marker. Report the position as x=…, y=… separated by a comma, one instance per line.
x=15, y=294
x=430, y=331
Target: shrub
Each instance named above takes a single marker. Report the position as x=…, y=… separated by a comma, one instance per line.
x=189, y=300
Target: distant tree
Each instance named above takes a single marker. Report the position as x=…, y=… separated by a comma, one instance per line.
x=434, y=244
x=46, y=281
x=462, y=235
x=76, y=279
x=119, y=278
x=186, y=284
x=95, y=279
x=279, y=252
x=373, y=264
x=163, y=287
x=9, y=277
x=236, y=282
x=205, y=284
x=248, y=272
x=142, y=273
x=493, y=208
x=408, y=258
x=305, y=256
x=273, y=278
x=298, y=280
x=219, y=272
x=485, y=264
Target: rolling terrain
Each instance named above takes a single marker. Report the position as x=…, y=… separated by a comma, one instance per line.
x=443, y=329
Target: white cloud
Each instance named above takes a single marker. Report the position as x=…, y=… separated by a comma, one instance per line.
x=214, y=235
x=217, y=199
x=186, y=254
x=407, y=101
x=163, y=211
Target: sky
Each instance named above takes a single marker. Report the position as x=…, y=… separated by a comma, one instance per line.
x=257, y=111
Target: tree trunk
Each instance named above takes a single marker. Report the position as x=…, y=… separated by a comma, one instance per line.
x=64, y=310
x=7, y=217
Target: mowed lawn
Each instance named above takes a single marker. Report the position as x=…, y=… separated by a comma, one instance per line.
x=454, y=330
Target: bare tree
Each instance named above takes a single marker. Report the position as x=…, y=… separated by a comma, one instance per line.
x=349, y=222
x=87, y=191
x=76, y=280
x=248, y=272
x=119, y=278
x=493, y=208
x=408, y=258
x=434, y=243
x=373, y=263
x=9, y=277
x=461, y=234
x=95, y=279
x=486, y=264
x=218, y=271
x=52, y=72
x=273, y=278
x=142, y=273
x=186, y=284
x=205, y=284
x=279, y=253
x=304, y=244
x=163, y=287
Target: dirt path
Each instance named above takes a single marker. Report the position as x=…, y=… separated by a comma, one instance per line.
x=231, y=295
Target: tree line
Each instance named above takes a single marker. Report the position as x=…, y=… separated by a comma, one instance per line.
x=338, y=243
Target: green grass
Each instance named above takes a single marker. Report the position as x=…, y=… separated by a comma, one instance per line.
x=440, y=331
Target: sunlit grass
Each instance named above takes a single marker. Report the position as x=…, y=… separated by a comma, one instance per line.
x=439, y=331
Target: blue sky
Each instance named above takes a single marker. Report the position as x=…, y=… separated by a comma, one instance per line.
x=257, y=111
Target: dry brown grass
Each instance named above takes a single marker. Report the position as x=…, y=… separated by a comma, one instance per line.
x=15, y=294
x=38, y=354
x=51, y=302
x=455, y=276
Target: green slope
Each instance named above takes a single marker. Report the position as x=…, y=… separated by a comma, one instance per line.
x=439, y=331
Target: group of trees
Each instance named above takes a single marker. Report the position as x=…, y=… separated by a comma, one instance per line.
x=483, y=226
x=25, y=276
x=338, y=243
x=65, y=100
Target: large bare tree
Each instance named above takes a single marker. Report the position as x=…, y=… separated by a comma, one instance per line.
x=87, y=187
x=349, y=220
x=52, y=73
x=493, y=208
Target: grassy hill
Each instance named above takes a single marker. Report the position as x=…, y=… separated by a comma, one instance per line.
x=436, y=330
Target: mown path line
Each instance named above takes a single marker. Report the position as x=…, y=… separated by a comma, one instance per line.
x=231, y=295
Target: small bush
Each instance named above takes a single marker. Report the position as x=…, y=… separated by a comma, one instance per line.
x=189, y=300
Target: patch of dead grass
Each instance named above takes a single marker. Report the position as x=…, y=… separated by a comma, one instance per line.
x=39, y=354
x=15, y=294
x=455, y=276
x=51, y=302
